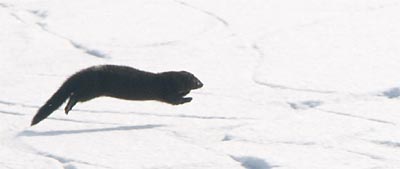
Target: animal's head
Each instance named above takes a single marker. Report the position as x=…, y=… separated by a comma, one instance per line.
x=189, y=80
x=181, y=82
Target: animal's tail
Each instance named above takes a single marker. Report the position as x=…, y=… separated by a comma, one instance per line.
x=54, y=102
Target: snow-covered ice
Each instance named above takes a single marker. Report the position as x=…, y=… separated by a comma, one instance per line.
x=287, y=84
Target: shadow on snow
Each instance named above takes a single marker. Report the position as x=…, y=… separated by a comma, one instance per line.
x=30, y=133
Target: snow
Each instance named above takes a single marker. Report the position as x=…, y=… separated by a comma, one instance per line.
x=252, y=162
x=287, y=84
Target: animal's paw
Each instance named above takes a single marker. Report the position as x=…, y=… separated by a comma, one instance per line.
x=179, y=101
x=183, y=100
x=186, y=99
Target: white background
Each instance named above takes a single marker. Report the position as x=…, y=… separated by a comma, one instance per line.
x=288, y=84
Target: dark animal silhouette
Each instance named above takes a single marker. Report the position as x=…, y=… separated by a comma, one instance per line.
x=120, y=82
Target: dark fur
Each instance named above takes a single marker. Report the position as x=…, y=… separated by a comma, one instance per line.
x=120, y=82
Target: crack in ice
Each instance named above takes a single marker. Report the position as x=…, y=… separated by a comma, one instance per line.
x=89, y=51
x=374, y=157
x=43, y=14
x=391, y=144
x=66, y=162
x=221, y=20
x=50, y=118
x=275, y=86
x=11, y=113
x=261, y=55
x=17, y=104
x=355, y=116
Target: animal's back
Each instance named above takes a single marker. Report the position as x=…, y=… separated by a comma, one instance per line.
x=120, y=82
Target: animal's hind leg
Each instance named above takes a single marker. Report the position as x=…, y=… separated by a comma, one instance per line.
x=71, y=103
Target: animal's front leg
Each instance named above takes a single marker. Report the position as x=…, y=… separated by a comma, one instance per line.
x=178, y=100
x=186, y=100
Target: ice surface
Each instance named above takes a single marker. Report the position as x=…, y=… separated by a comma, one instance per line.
x=287, y=84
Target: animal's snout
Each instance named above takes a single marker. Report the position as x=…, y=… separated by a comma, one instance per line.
x=199, y=84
